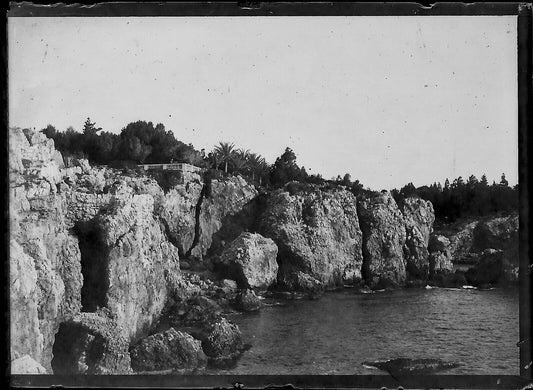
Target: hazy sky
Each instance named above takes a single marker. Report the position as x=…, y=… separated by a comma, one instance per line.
x=387, y=99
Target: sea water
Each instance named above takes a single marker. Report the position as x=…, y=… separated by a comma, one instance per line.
x=335, y=334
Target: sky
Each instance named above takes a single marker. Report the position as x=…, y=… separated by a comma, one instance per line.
x=389, y=100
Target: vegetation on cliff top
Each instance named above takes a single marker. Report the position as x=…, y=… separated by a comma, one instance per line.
x=142, y=142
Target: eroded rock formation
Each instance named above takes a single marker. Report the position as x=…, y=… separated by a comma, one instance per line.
x=318, y=235
x=383, y=227
x=419, y=217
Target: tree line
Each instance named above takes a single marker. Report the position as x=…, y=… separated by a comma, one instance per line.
x=461, y=198
x=141, y=142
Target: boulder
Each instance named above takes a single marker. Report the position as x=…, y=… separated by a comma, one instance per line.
x=250, y=260
x=383, y=227
x=247, y=301
x=223, y=341
x=26, y=365
x=89, y=344
x=317, y=233
x=169, y=350
x=419, y=217
x=199, y=311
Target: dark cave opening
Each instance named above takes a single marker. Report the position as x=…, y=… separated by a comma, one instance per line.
x=94, y=254
x=75, y=350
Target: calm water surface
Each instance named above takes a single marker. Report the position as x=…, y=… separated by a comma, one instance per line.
x=334, y=335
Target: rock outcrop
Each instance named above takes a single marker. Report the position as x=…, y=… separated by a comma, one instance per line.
x=317, y=234
x=250, y=260
x=169, y=350
x=419, y=217
x=488, y=245
x=494, y=267
x=383, y=227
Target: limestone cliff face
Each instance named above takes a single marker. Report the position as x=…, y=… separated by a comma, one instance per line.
x=419, y=217
x=81, y=239
x=318, y=236
x=194, y=212
x=140, y=265
x=222, y=198
x=178, y=212
x=384, y=236
x=45, y=271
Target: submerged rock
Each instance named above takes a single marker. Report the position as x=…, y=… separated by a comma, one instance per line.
x=384, y=236
x=169, y=350
x=250, y=260
x=406, y=366
x=317, y=234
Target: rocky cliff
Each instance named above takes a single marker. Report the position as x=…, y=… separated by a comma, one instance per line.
x=80, y=244
x=94, y=254
x=419, y=217
x=318, y=236
x=384, y=236
x=97, y=257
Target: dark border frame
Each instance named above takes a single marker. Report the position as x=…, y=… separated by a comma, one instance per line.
x=523, y=11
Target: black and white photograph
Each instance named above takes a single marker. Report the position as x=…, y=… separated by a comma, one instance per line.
x=264, y=195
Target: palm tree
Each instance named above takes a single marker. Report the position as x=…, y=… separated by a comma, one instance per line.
x=263, y=169
x=254, y=163
x=239, y=164
x=226, y=153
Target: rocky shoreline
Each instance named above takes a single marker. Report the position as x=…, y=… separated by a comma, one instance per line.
x=111, y=273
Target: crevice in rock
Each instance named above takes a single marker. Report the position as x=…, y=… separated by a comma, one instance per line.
x=94, y=262
x=247, y=219
x=171, y=238
x=75, y=350
x=205, y=193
